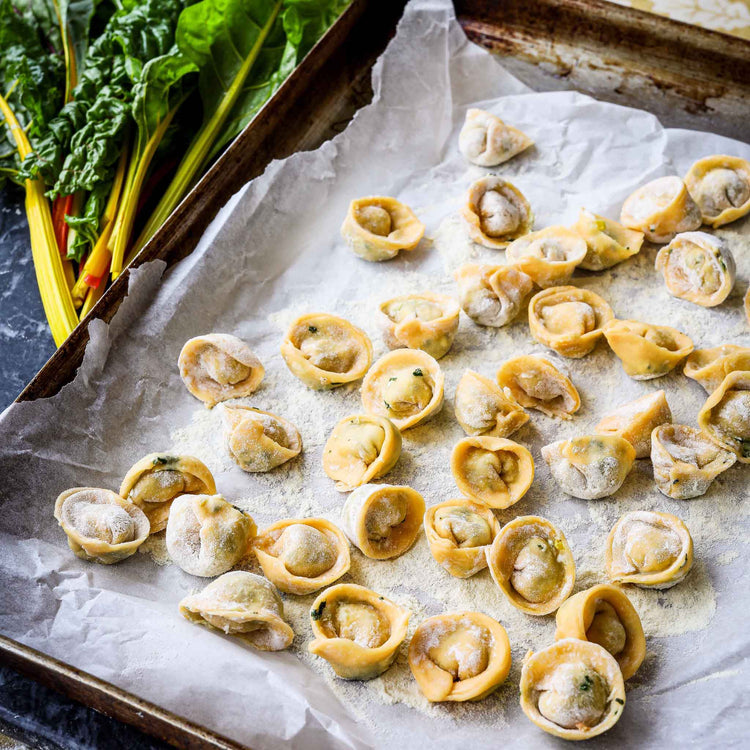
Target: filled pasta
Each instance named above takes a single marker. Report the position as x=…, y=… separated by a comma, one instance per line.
x=720, y=185
x=492, y=295
x=607, y=242
x=482, y=408
x=496, y=213
x=548, y=256
x=725, y=417
x=485, y=140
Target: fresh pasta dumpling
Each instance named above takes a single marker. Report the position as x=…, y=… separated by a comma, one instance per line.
x=661, y=209
x=157, y=479
x=218, y=367
x=492, y=295
x=206, y=536
x=258, y=440
x=496, y=213
x=536, y=383
x=377, y=228
x=485, y=140
x=649, y=549
x=710, y=366
x=608, y=242
x=100, y=525
x=483, y=409
x=685, y=461
x=568, y=319
x=697, y=267
x=361, y=448
x=492, y=470
x=458, y=533
x=423, y=321
x=636, y=420
x=604, y=615
x=357, y=631
x=405, y=386
x=590, y=467
x=244, y=605
x=531, y=562
x=324, y=351
x=720, y=185
x=459, y=656
x=302, y=555
x=725, y=416
x=646, y=351
x=383, y=520
x=549, y=256
x=573, y=689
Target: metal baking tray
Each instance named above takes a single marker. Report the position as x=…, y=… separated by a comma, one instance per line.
x=687, y=76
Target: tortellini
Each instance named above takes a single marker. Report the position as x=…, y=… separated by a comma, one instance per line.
x=496, y=213
x=636, y=420
x=206, y=536
x=378, y=227
x=572, y=689
x=218, y=367
x=485, y=140
x=100, y=525
x=649, y=549
x=531, y=562
x=492, y=470
x=383, y=520
x=357, y=631
x=405, y=386
x=459, y=532
x=244, y=605
x=726, y=415
x=685, y=461
x=709, y=367
x=459, y=656
x=697, y=267
x=549, y=256
x=258, y=440
x=647, y=351
x=568, y=319
x=608, y=242
x=483, y=409
x=157, y=479
x=362, y=447
x=492, y=295
x=661, y=209
x=604, y=615
x=302, y=555
x=421, y=321
x=324, y=351
x=720, y=185
x=537, y=384
x=590, y=467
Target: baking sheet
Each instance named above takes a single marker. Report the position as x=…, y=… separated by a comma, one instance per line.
x=274, y=251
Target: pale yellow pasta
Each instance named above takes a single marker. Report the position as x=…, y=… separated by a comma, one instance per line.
x=548, y=256
x=709, y=367
x=608, y=242
x=492, y=295
x=725, y=417
x=720, y=185
x=483, y=409
x=485, y=140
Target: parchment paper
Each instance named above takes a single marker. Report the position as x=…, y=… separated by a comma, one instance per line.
x=275, y=247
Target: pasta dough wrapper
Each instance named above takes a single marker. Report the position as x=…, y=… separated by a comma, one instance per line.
x=100, y=525
x=492, y=470
x=423, y=321
x=243, y=605
x=492, y=295
x=496, y=213
x=383, y=520
x=459, y=656
x=324, y=351
x=604, y=615
x=458, y=533
x=725, y=417
x=218, y=367
x=685, y=461
x=607, y=242
x=568, y=319
x=483, y=409
x=357, y=631
x=302, y=555
x=485, y=140
x=378, y=227
x=532, y=564
x=572, y=689
x=157, y=479
x=548, y=256
x=649, y=549
x=720, y=185
x=206, y=536
x=709, y=367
